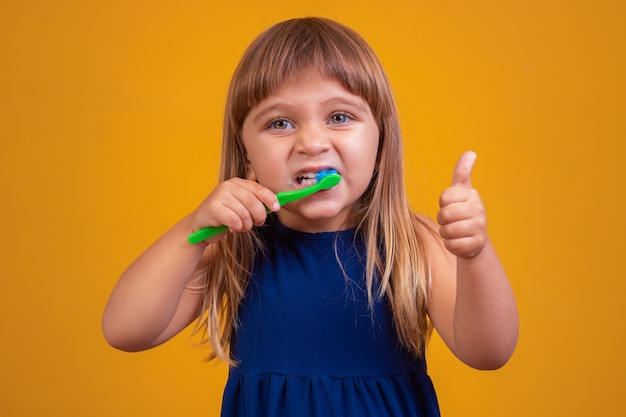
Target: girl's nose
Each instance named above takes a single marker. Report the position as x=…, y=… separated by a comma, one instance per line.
x=313, y=140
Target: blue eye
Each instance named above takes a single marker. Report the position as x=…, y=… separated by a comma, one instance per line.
x=339, y=118
x=280, y=124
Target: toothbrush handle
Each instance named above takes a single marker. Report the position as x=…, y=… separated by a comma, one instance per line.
x=206, y=233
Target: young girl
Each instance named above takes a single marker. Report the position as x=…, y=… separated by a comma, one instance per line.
x=322, y=307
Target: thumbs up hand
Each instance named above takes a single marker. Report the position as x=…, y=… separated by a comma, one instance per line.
x=462, y=215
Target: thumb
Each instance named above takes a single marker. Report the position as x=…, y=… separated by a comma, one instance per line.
x=463, y=169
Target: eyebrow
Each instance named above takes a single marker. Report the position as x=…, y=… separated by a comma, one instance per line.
x=359, y=105
x=278, y=106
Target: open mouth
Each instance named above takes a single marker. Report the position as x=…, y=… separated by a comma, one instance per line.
x=306, y=179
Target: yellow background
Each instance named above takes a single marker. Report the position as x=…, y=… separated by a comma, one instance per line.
x=110, y=120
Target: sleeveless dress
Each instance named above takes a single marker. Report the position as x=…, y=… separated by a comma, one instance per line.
x=307, y=344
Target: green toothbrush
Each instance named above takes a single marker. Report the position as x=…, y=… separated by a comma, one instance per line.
x=326, y=179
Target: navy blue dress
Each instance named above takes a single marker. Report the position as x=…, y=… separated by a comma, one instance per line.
x=308, y=345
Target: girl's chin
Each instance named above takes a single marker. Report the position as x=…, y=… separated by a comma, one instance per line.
x=319, y=220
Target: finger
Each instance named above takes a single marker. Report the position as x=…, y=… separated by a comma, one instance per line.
x=236, y=205
x=265, y=195
x=249, y=209
x=454, y=213
x=463, y=229
x=454, y=195
x=463, y=169
x=467, y=247
x=235, y=216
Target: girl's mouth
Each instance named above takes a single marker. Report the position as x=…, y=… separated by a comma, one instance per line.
x=309, y=178
x=306, y=179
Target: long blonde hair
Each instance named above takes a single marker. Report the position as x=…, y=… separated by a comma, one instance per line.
x=397, y=260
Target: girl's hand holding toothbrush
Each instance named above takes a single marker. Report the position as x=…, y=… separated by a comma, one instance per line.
x=246, y=199
x=236, y=204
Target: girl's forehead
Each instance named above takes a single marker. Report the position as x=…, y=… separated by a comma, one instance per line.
x=305, y=79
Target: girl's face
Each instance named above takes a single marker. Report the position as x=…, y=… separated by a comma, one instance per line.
x=312, y=123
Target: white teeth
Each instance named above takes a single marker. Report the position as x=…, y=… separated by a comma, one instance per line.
x=307, y=179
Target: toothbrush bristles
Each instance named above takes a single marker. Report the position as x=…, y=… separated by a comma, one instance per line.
x=324, y=173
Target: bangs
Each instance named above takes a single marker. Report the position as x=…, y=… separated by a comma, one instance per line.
x=297, y=47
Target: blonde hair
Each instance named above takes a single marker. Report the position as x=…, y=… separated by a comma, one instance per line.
x=397, y=261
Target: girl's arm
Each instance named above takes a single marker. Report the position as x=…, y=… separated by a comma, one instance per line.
x=471, y=304
x=159, y=294
x=152, y=300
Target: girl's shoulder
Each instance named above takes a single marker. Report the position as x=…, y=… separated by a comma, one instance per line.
x=426, y=225
x=427, y=229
